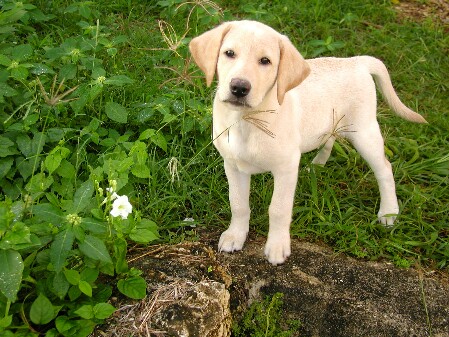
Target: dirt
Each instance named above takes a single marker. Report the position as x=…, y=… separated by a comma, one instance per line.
x=419, y=10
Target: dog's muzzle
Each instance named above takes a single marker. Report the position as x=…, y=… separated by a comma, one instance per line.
x=239, y=87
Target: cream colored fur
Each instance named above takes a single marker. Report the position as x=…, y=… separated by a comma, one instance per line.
x=267, y=113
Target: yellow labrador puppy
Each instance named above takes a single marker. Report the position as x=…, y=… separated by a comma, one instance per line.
x=271, y=106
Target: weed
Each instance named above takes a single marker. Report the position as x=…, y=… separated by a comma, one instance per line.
x=264, y=319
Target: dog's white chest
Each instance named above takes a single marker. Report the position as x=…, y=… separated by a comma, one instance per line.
x=246, y=149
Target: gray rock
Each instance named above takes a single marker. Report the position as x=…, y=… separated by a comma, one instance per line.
x=193, y=290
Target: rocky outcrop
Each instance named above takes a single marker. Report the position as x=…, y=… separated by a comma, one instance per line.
x=193, y=290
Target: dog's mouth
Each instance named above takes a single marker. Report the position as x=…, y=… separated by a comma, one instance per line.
x=238, y=102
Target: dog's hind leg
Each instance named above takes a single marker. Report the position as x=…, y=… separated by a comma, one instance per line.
x=370, y=144
x=324, y=153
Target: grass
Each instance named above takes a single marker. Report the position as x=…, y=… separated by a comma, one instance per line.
x=336, y=204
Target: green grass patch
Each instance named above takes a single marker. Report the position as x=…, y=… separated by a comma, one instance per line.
x=100, y=100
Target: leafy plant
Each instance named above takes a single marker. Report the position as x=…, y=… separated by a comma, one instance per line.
x=264, y=319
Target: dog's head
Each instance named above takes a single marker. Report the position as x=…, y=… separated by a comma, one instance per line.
x=250, y=60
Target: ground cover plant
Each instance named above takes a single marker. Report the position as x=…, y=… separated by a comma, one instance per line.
x=102, y=110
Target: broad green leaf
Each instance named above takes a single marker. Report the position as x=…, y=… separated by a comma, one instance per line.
x=159, y=140
x=144, y=232
x=39, y=183
x=120, y=250
x=60, y=248
x=72, y=276
x=60, y=285
x=7, y=147
x=68, y=71
x=95, y=248
x=133, y=287
x=83, y=196
x=85, y=288
x=11, y=268
x=116, y=112
x=74, y=328
x=85, y=311
x=21, y=52
x=103, y=310
x=17, y=234
x=6, y=90
x=118, y=80
x=141, y=171
x=89, y=274
x=66, y=169
x=24, y=143
x=5, y=166
x=148, y=133
x=42, y=311
x=47, y=212
x=20, y=73
x=94, y=226
x=54, y=158
x=5, y=322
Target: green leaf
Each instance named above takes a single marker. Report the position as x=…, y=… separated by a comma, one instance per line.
x=42, y=311
x=72, y=276
x=39, y=183
x=68, y=71
x=86, y=311
x=118, y=80
x=83, y=196
x=94, y=226
x=141, y=171
x=133, y=287
x=54, y=158
x=7, y=147
x=21, y=52
x=159, y=140
x=103, y=310
x=116, y=112
x=60, y=248
x=5, y=322
x=66, y=169
x=85, y=288
x=144, y=232
x=5, y=166
x=47, y=212
x=18, y=234
x=11, y=269
x=60, y=285
x=6, y=90
x=95, y=248
x=120, y=250
x=74, y=328
x=89, y=274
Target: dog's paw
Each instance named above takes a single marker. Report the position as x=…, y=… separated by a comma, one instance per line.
x=231, y=241
x=277, y=249
x=388, y=218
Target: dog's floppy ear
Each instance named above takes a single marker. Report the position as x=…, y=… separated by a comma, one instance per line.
x=205, y=49
x=293, y=69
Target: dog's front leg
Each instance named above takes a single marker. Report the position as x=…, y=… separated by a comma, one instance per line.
x=239, y=184
x=277, y=248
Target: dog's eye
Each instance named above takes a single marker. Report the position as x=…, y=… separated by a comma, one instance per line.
x=230, y=53
x=264, y=61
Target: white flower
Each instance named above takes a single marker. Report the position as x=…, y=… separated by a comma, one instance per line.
x=121, y=207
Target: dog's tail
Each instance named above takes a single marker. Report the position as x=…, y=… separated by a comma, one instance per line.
x=380, y=74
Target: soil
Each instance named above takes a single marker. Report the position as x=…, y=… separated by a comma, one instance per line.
x=419, y=10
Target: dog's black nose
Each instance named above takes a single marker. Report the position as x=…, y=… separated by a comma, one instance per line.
x=240, y=88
